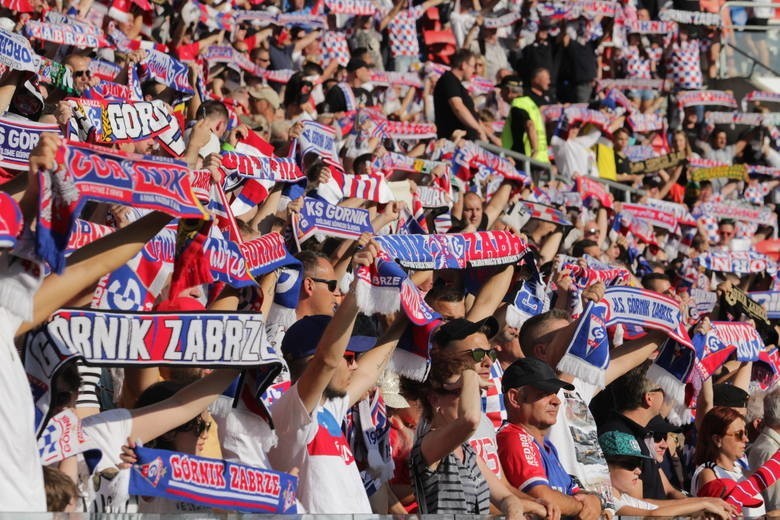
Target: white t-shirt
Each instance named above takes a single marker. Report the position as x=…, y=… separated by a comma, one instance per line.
x=575, y=437
x=328, y=481
x=106, y=490
x=21, y=477
x=243, y=436
x=484, y=443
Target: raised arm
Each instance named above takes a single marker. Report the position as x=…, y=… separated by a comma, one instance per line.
x=373, y=362
x=490, y=296
x=331, y=347
x=440, y=442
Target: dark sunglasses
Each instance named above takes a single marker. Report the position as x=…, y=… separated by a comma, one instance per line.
x=198, y=426
x=658, y=436
x=478, y=354
x=628, y=463
x=332, y=284
x=79, y=73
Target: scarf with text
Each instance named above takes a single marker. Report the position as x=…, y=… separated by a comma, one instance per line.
x=654, y=216
x=65, y=34
x=758, y=95
x=264, y=168
x=672, y=369
x=470, y=157
x=110, y=91
x=743, y=335
x=642, y=123
x=692, y=98
x=393, y=161
x=89, y=173
x=43, y=360
x=739, y=262
x=629, y=306
x=212, y=482
x=735, y=171
x=353, y=7
x=64, y=437
x=743, y=213
x=318, y=139
x=165, y=69
x=384, y=286
x=590, y=188
x=106, y=122
x=213, y=339
x=17, y=139
x=367, y=430
x=104, y=70
x=652, y=27
x=658, y=163
x=769, y=300
x=56, y=75
x=16, y=53
x=532, y=298
x=690, y=17
x=658, y=85
x=736, y=302
x=593, y=272
x=320, y=219
x=711, y=353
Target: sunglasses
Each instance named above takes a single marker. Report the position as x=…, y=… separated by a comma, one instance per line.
x=658, y=436
x=198, y=426
x=629, y=464
x=79, y=73
x=478, y=354
x=739, y=434
x=332, y=284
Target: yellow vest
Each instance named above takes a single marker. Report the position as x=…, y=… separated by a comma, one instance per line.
x=605, y=160
x=527, y=104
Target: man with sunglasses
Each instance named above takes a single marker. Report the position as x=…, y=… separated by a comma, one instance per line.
x=79, y=69
x=319, y=287
x=530, y=460
x=327, y=382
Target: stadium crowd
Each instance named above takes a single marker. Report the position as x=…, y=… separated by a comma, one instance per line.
x=262, y=256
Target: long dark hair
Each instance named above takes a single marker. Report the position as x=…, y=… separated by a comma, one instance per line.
x=716, y=422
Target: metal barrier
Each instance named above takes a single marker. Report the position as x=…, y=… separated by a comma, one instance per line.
x=737, y=38
x=544, y=171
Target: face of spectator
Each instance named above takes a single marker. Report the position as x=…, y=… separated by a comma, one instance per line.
x=472, y=209
x=364, y=73
x=720, y=141
x=144, y=147
x=594, y=251
x=450, y=310
x=625, y=476
x=535, y=407
x=465, y=348
x=613, y=251
x=468, y=67
x=663, y=287
x=322, y=299
x=542, y=81
x=661, y=445
x=80, y=71
x=621, y=141
x=263, y=59
x=340, y=382
x=479, y=68
x=726, y=233
x=191, y=437
x=680, y=142
x=732, y=443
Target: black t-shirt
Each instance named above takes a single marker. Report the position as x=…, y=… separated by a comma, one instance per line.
x=622, y=163
x=518, y=118
x=337, y=102
x=532, y=57
x=540, y=100
x=652, y=487
x=447, y=87
x=582, y=59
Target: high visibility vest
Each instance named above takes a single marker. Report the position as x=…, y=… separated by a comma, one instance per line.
x=527, y=104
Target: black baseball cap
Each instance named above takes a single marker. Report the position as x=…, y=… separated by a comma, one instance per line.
x=660, y=425
x=461, y=327
x=533, y=372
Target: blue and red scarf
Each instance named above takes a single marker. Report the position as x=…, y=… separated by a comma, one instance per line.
x=212, y=482
x=19, y=138
x=320, y=219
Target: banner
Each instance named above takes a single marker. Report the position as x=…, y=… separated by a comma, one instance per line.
x=320, y=219
x=17, y=139
x=736, y=171
x=655, y=217
x=43, y=360
x=690, y=17
x=167, y=70
x=769, y=300
x=739, y=262
x=64, y=34
x=736, y=302
x=110, y=338
x=104, y=121
x=86, y=172
x=743, y=335
x=433, y=197
x=692, y=98
x=212, y=482
x=318, y=139
x=658, y=163
x=277, y=169
x=16, y=53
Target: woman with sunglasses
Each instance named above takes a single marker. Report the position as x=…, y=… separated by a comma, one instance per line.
x=447, y=474
x=624, y=460
x=720, y=452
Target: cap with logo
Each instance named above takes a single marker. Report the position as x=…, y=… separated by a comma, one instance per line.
x=532, y=372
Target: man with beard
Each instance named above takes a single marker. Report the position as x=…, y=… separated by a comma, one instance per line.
x=327, y=381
